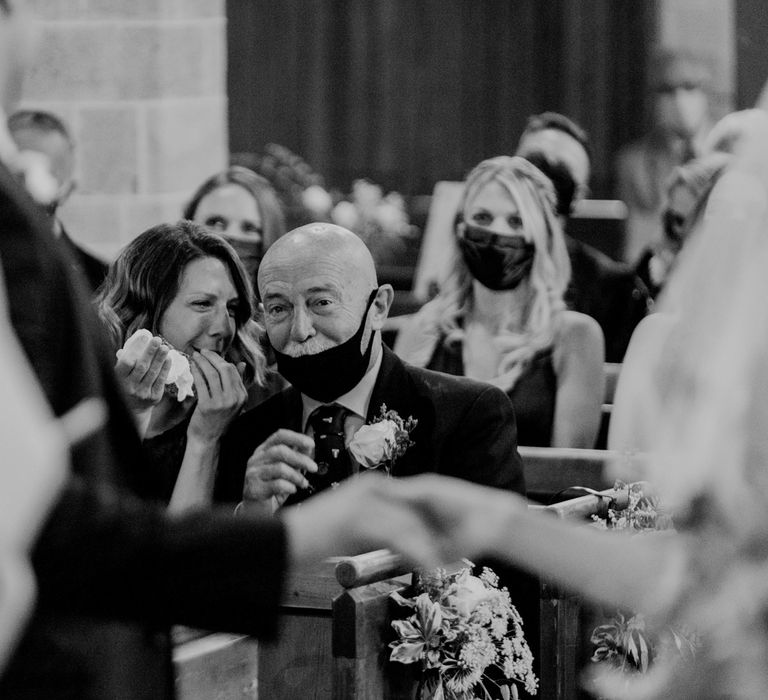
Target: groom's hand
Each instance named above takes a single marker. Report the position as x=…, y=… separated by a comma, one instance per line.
x=469, y=520
x=277, y=467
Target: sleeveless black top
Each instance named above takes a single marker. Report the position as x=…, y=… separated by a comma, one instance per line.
x=533, y=396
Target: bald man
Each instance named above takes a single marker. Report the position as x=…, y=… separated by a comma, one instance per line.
x=323, y=311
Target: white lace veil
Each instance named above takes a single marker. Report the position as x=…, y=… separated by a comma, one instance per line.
x=706, y=379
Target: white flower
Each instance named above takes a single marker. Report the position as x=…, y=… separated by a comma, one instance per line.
x=468, y=595
x=345, y=214
x=317, y=200
x=373, y=444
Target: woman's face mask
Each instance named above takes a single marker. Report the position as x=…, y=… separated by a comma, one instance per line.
x=497, y=261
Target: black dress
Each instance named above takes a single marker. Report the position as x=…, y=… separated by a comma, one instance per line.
x=533, y=395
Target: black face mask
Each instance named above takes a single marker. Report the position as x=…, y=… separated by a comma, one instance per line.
x=497, y=262
x=250, y=250
x=331, y=373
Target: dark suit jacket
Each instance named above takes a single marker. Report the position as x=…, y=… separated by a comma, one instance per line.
x=113, y=572
x=93, y=269
x=608, y=291
x=466, y=429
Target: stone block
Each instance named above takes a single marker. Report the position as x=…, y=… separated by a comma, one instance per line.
x=186, y=142
x=135, y=60
x=140, y=213
x=99, y=9
x=94, y=221
x=200, y=8
x=107, y=150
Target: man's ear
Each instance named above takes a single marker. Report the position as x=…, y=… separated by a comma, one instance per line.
x=382, y=303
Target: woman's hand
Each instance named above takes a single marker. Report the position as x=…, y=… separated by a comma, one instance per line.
x=220, y=395
x=142, y=368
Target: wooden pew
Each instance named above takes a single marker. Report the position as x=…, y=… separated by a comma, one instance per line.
x=561, y=637
x=552, y=472
x=611, y=371
x=334, y=633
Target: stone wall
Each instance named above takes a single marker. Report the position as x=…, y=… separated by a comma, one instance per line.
x=142, y=84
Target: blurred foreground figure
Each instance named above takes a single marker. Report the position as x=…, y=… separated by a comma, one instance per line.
x=114, y=572
x=706, y=380
x=34, y=466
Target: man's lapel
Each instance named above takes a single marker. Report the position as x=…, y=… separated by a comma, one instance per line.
x=394, y=388
x=291, y=410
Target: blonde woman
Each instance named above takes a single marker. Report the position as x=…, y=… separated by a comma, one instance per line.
x=500, y=316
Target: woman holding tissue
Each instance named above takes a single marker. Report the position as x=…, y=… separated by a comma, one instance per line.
x=178, y=304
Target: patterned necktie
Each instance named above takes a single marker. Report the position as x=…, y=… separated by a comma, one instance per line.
x=333, y=461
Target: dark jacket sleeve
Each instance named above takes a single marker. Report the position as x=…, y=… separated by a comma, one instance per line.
x=483, y=447
x=106, y=554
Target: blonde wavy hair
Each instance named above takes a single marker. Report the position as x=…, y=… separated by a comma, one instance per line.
x=534, y=196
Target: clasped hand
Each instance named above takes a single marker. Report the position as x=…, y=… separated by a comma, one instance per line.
x=429, y=519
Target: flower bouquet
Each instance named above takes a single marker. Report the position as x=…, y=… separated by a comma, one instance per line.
x=467, y=637
x=624, y=643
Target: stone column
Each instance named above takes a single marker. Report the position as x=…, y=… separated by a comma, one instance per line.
x=142, y=84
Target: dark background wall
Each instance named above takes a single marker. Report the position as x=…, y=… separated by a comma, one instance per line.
x=408, y=92
x=751, y=50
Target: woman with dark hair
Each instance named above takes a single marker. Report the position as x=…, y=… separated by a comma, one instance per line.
x=243, y=207
x=500, y=317
x=177, y=291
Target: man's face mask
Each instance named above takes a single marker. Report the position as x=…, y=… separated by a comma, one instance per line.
x=497, y=261
x=331, y=373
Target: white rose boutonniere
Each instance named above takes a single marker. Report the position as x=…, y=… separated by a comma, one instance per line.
x=380, y=443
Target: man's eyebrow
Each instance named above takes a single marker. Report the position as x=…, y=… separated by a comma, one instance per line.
x=269, y=296
x=325, y=288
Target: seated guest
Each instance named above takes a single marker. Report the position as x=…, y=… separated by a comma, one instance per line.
x=323, y=312
x=187, y=288
x=501, y=317
x=679, y=103
x=607, y=290
x=688, y=190
x=44, y=133
x=243, y=207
